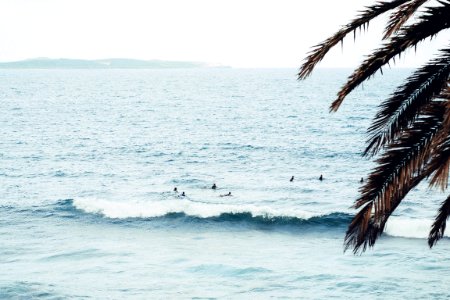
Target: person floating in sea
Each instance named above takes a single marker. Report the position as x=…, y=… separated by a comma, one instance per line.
x=175, y=189
x=183, y=194
x=214, y=186
x=362, y=180
x=226, y=195
x=321, y=177
x=292, y=179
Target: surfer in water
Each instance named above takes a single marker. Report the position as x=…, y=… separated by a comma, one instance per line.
x=362, y=180
x=183, y=194
x=214, y=186
x=321, y=177
x=175, y=189
x=226, y=195
x=292, y=179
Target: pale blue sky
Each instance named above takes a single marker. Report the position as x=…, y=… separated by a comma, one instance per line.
x=239, y=33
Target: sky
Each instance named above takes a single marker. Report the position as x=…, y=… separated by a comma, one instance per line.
x=237, y=33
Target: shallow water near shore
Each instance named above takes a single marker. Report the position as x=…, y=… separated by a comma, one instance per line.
x=89, y=160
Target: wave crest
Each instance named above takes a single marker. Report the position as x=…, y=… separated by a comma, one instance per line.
x=409, y=228
x=208, y=211
x=217, y=212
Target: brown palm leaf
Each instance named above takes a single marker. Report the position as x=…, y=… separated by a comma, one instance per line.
x=412, y=126
x=404, y=152
x=401, y=16
x=362, y=20
x=438, y=227
x=440, y=162
x=400, y=110
x=434, y=20
x=364, y=232
x=399, y=170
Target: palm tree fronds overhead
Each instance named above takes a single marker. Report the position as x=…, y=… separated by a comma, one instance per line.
x=401, y=16
x=411, y=128
x=404, y=156
x=401, y=109
x=399, y=170
x=362, y=20
x=440, y=165
x=434, y=20
x=363, y=232
x=440, y=161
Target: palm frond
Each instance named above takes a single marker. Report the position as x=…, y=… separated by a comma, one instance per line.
x=320, y=50
x=360, y=230
x=399, y=170
x=433, y=20
x=440, y=162
x=400, y=152
x=401, y=15
x=364, y=233
x=438, y=227
x=441, y=157
x=402, y=108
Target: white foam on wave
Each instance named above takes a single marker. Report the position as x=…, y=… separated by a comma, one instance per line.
x=396, y=226
x=141, y=209
x=409, y=228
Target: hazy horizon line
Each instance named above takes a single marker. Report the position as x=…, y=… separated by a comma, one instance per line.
x=203, y=63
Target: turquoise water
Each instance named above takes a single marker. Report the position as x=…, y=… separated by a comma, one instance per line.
x=89, y=160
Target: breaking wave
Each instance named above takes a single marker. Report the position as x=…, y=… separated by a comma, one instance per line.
x=216, y=212
x=206, y=211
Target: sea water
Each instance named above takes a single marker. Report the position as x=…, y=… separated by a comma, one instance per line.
x=89, y=160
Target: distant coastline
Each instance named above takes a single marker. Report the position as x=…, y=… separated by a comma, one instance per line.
x=113, y=63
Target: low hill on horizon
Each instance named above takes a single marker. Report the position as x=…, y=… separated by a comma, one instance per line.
x=113, y=63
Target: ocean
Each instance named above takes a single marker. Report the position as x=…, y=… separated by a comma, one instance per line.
x=89, y=160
